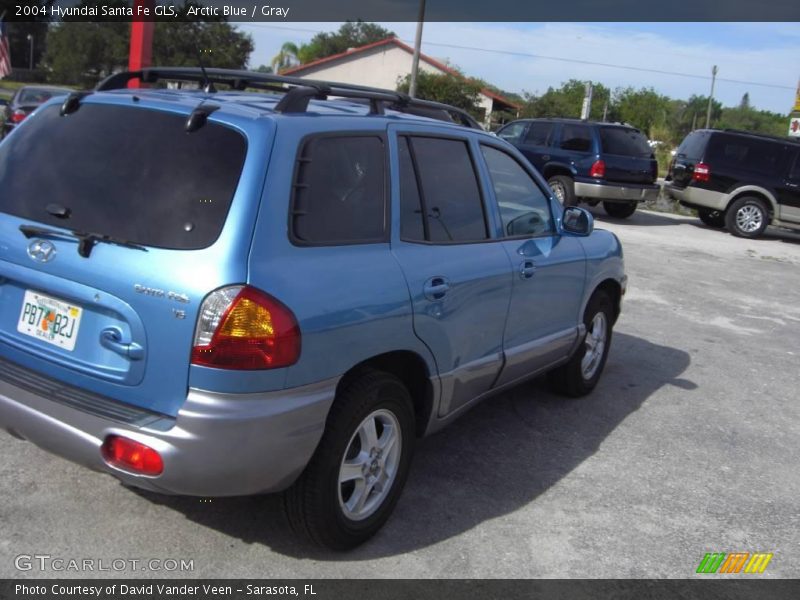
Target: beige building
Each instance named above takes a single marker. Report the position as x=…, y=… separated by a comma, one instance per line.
x=381, y=64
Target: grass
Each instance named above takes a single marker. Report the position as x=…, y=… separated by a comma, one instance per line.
x=11, y=86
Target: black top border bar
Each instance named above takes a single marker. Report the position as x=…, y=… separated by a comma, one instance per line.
x=408, y=10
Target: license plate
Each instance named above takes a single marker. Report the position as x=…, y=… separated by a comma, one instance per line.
x=50, y=320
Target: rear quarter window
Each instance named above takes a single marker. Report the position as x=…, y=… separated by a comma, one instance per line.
x=340, y=191
x=742, y=153
x=127, y=172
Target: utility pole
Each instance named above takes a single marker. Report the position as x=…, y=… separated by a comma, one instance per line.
x=586, y=109
x=711, y=97
x=30, y=39
x=412, y=85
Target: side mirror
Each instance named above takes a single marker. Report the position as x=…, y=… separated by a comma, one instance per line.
x=3, y=102
x=577, y=221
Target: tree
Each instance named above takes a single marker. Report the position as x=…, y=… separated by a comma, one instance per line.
x=81, y=53
x=567, y=101
x=750, y=119
x=18, y=32
x=287, y=57
x=745, y=103
x=643, y=108
x=264, y=69
x=457, y=91
x=350, y=35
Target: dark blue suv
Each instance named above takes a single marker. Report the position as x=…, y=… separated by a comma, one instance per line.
x=215, y=292
x=586, y=161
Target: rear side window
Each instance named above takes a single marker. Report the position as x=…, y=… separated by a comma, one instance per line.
x=743, y=153
x=131, y=173
x=443, y=191
x=512, y=132
x=539, y=134
x=693, y=146
x=624, y=141
x=794, y=169
x=340, y=191
x=576, y=137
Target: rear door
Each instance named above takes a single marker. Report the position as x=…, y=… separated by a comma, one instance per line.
x=788, y=188
x=459, y=278
x=627, y=155
x=690, y=153
x=117, y=318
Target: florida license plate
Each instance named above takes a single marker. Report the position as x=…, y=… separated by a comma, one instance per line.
x=50, y=320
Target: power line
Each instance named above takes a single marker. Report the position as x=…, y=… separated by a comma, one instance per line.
x=560, y=59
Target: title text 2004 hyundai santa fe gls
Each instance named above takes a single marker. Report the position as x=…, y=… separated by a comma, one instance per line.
x=219, y=293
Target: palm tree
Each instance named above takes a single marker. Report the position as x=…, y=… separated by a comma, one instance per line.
x=286, y=58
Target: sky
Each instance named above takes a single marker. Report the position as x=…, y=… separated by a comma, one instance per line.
x=762, y=59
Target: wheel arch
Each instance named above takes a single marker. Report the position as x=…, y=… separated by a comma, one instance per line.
x=613, y=289
x=553, y=169
x=410, y=368
x=757, y=192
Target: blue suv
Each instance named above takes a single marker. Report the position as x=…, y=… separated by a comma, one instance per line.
x=587, y=161
x=218, y=293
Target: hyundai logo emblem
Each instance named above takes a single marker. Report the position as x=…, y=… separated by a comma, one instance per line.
x=41, y=251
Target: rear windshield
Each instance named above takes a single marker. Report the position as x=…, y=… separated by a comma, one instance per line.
x=131, y=173
x=624, y=141
x=693, y=146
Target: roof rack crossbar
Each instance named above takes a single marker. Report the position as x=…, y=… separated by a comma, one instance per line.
x=298, y=92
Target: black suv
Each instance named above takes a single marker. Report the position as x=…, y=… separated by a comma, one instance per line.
x=589, y=161
x=739, y=180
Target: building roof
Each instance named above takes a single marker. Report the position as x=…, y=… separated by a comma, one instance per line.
x=392, y=41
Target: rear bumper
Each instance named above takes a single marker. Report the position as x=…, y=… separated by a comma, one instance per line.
x=616, y=192
x=695, y=197
x=218, y=445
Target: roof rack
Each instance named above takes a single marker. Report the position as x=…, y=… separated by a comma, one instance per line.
x=778, y=138
x=297, y=91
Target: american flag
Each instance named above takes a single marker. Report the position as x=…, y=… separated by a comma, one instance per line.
x=5, y=53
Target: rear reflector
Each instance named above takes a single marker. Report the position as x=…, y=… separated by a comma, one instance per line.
x=598, y=169
x=240, y=327
x=132, y=456
x=702, y=172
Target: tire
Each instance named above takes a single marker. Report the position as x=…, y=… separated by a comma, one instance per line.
x=321, y=507
x=619, y=210
x=578, y=377
x=711, y=218
x=747, y=217
x=564, y=189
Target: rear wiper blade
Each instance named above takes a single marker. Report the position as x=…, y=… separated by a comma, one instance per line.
x=86, y=241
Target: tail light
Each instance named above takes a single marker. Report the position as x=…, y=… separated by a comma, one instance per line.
x=598, y=169
x=18, y=116
x=240, y=327
x=702, y=172
x=130, y=455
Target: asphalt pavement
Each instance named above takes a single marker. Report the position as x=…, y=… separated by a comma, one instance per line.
x=688, y=445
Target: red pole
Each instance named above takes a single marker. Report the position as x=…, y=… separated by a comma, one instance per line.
x=141, y=53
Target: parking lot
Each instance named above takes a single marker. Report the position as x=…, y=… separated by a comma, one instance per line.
x=689, y=445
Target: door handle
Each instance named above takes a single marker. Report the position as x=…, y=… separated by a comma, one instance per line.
x=527, y=268
x=111, y=338
x=436, y=288
x=791, y=185
x=545, y=157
